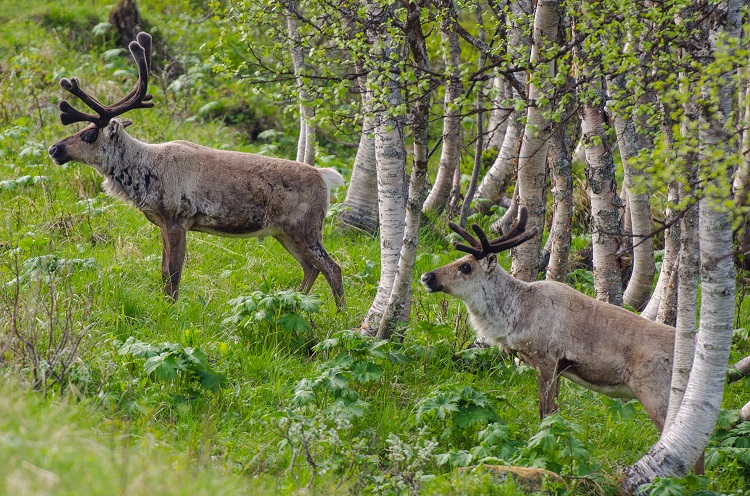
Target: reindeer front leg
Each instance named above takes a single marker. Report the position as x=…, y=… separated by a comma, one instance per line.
x=173, y=256
x=548, y=380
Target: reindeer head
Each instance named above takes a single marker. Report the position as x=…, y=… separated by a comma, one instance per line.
x=94, y=143
x=465, y=277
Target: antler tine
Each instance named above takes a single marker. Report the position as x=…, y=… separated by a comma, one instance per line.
x=507, y=244
x=476, y=247
x=518, y=228
x=137, y=98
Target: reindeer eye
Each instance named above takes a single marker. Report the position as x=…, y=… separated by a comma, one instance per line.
x=90, y=135
x=465, y=268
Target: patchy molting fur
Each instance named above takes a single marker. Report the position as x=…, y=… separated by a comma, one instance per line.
x=181, y=186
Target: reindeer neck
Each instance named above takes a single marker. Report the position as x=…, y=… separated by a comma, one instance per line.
x=129, y=170
x=496, y=312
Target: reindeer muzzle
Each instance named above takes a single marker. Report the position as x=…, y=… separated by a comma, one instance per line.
x=430, y=282
x=59, y=153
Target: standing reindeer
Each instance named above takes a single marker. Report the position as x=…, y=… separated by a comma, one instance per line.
x=557, y=330
x=181, y=186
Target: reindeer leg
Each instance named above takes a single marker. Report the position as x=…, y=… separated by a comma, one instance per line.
x=309, y=272
x=317, y=256
x=173, y=256
x=549, y=385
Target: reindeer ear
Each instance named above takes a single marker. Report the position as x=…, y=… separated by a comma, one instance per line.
x=112, y=128
x=491, y=262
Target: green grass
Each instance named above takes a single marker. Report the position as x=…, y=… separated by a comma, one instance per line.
x=109, y=427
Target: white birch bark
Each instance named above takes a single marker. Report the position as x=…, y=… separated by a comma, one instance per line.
x=498, y=121
x=498, y=177
x=681, y=445
x=450, y=154
x=398, y=303
x=687, y=303
x=605, y=217
x=668, y=260
x=532, y=173
x=361, y=204
x=306, y=141
x=638, y=290
x=390, y=154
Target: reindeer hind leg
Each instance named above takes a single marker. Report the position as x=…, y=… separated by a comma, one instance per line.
x=309, y=271
x=319, y=257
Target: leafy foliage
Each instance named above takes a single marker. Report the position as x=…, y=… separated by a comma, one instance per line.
x=173, y=362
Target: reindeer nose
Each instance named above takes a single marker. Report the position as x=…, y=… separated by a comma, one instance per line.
x=429, y=280
x=58, y=153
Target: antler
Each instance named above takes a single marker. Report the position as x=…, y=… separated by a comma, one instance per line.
x=137, y=98
x=482, y=247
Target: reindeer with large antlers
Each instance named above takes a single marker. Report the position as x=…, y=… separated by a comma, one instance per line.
x=557, y=330
x=181, y=186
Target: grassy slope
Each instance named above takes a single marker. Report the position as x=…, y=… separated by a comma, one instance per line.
x=172, y=424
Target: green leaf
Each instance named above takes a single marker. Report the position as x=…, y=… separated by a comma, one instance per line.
x=164, y=366
x=292, y=322
x=365, y=372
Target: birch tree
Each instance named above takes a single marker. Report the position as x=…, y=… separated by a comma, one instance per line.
x=682, y=443
x=398, y=301
x=450, y=154
x=498, y=177
x=532, y=172
x=306, y=141
x=384, y=94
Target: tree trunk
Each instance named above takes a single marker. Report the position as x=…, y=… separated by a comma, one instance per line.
x=498, y=121
x=361, y=204
x=471, y=190
x=742, y=176
x=399, y=298
x=681, y=445
x=668, y=260
x=560, y=158
x=127, y=21
x=498, y=177
x=532, y=159
x=390, y=154
x=306, y=141
x=605, y=216
x=638, y=290
x=450, y=155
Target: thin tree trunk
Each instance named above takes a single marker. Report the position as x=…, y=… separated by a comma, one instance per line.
x=739, y=370
x=498, y=121
x=560, y=158
x=605, y=218
x=466, y=208
x=361, y=203
x=638, y=290
x=390, y=154
x=450, y=155
x=742, y=176
x=398, y=302
x=532, y=159
x=498, y=177
x=306, y=142
x=669, y=258
x=687, y=303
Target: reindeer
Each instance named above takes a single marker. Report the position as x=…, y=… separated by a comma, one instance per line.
x=181, y=186
x=557, y=330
